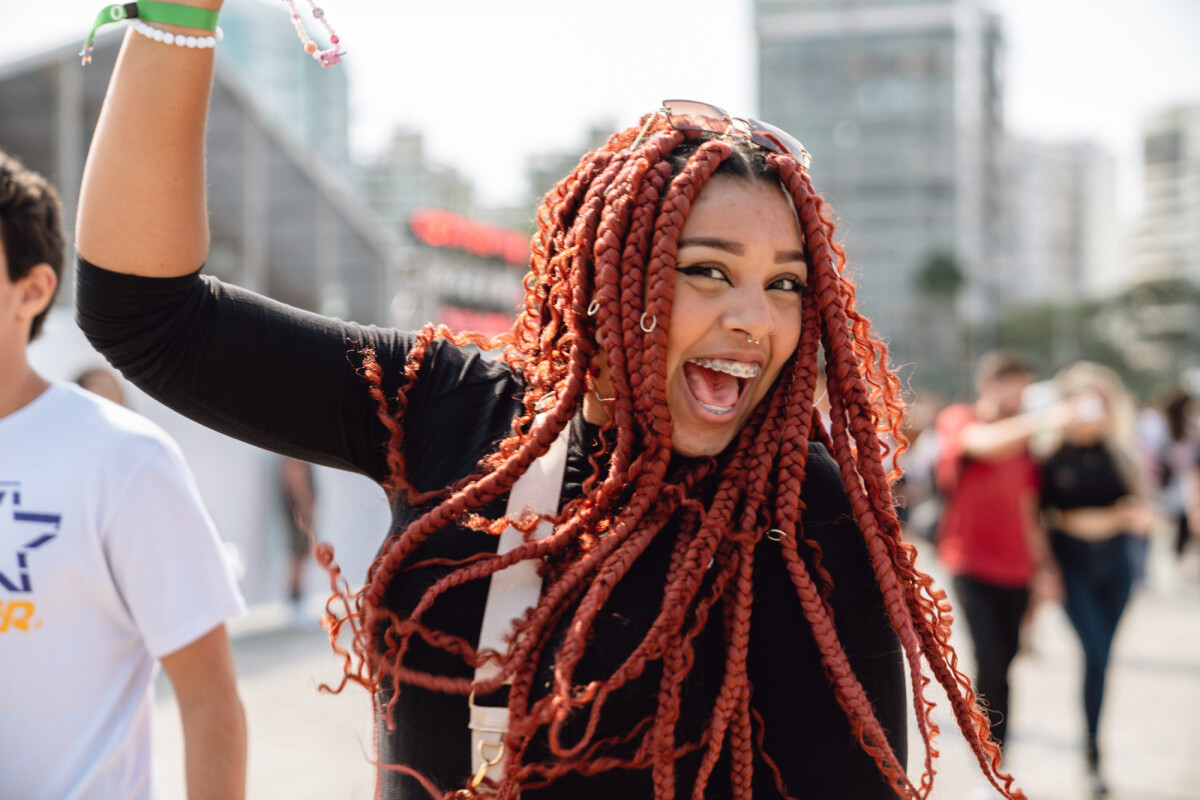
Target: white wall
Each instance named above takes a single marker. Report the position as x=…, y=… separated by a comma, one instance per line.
x=239, y=482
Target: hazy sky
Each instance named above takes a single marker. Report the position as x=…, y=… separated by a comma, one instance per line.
x=490, y=82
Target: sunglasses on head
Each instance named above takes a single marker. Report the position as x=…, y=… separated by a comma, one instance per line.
x=692, y=115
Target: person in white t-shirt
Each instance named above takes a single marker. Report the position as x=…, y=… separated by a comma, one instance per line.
x=108, y=562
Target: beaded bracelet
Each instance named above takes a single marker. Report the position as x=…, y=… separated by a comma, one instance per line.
x=153, y=11
x=159, y=35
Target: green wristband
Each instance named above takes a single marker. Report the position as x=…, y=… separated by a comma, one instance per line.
x=175, y=14
x=150, y=11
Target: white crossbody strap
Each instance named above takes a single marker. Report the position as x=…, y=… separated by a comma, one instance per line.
x=512, y=591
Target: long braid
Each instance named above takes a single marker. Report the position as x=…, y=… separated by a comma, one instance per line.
x=854, y=415
x=847, y=689
x=620, y=278
x=924, y=603
x=853, y=431
x=825, y=285
x=763, y=443
x=679, y=197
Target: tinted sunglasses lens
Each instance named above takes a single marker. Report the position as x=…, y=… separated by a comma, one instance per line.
x=764, y=134
x=689, y=115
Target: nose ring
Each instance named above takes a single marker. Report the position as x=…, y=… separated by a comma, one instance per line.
x=749, y=340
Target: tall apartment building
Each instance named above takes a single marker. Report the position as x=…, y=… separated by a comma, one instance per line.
x=1169, y=235
x=402, y=179
x=1065, y=239
x=899, y=102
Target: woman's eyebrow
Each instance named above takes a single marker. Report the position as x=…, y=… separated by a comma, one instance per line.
x=738, y=249
x=734, y=248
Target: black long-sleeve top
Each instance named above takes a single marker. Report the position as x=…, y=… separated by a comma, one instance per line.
x=287, y=380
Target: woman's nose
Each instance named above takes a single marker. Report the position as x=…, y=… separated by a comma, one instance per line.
x=750, y=316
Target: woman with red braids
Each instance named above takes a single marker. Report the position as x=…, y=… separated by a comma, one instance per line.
x=721, y=602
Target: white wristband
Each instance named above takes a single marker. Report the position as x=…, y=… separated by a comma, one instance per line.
x=159, y=35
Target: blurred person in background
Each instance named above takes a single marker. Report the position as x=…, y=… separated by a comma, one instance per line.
x=104, y=382
x=1177, y=456
x=112, y=565
x=1152, y=434
x=990, y=539
x=1192, y=490
x=916, y=493
x=300, y=504
x=1095, y=504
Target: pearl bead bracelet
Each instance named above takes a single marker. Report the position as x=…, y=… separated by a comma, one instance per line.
x=159, y=35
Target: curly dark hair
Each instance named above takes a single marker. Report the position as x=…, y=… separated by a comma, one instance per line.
x=30, y=225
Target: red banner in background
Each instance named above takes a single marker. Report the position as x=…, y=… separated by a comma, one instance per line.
x=489, y=323
x=446, y=229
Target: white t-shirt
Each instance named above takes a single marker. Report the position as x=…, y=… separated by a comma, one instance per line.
x=108, y=561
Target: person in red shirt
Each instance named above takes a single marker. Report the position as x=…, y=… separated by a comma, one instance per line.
x=989, y=538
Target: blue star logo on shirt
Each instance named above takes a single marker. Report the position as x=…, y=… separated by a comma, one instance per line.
x=32, y=528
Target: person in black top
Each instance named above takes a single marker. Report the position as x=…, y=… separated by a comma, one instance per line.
x=1093, y=504
x=726, y=607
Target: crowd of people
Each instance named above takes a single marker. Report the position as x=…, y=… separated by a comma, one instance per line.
x=1050, y=491
x=650, y=549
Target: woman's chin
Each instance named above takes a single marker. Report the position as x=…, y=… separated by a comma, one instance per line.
x=690, y=449
x=695, y=441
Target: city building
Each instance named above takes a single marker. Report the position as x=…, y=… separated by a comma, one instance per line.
x=1168, y=241
x=402, y=179
x=263, y=55
x=466, y=268
x=1065, y=237
x=899, y=103
x=281, y=221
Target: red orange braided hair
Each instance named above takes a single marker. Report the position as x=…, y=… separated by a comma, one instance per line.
x=602, y=263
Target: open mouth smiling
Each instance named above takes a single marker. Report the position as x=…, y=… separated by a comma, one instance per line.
x=718, y=383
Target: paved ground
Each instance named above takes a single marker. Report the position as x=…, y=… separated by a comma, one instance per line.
x=308, y=744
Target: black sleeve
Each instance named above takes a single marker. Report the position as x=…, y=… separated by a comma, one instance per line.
x=260, y=371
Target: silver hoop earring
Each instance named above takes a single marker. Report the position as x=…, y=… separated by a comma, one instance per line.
x=653, y=322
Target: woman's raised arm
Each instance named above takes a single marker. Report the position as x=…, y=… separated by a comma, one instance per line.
x=142, y=206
